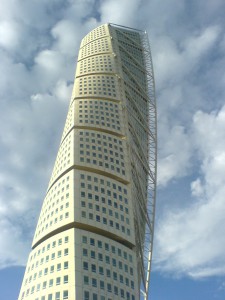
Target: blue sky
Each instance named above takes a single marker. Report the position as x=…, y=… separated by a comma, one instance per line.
x=39, y=42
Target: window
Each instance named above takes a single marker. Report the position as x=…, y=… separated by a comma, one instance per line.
x=93, y=268
x=114, y=275
x=85, y=252
x=58, y=267
x=122, y=293
x=57, y=296
x=95, y=297
x=65, y=294
x=108, y=273
x=132, y=284
x=101, y=270
x=44, y=284
x=66, y=251
x=65, y=279
x=114, y=262
x=109, y=287
x=86, y=295
x=127, y=281
x=115, y=290
x=66, y=265
x=49, y=296
x=121, y=278
x=120, y=265
x=58, y=280
x=92, y=254
x=85, y=265
x=86, y=280
x=51, y=269
x=50, y=282
x=94, y=282
x=102, y=285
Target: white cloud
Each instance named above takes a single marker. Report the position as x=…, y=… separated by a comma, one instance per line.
x=68, y=36
x=8, y=34
x=191, y=241
x=119, y=12
x=13, y=243
x=38, y=45
x=175, y=155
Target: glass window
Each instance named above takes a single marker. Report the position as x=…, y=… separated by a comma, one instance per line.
x=65, y=294
x=57, y=296
x=86, y=295
x=94, y=282
x=95, y=297
x=66, y=265
x=108, y=273
x=85, y=252
x=86, y=280
x=50, y=282
x=85, y=265
x=101, y=270
x=107, y=259
x=102, y=285
x=65, y=279
x=93, y=268
x=58, y=279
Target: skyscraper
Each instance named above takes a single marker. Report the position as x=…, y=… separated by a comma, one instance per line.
x=93, y=240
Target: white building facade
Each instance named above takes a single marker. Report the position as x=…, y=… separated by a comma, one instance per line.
x=93, y=240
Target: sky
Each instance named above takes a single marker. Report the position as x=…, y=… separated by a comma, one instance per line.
x=39, y=42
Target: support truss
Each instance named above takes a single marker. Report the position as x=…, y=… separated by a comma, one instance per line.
x=139, y=95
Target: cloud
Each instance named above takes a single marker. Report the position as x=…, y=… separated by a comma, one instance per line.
x=191, y=241
x=119, y=12
x=175, y=157
x=38, y=47
x=8, y=34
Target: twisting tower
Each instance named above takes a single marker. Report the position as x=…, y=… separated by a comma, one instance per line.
x=94, y=236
